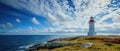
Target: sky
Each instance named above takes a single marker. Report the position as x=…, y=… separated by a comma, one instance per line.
x=36, y=16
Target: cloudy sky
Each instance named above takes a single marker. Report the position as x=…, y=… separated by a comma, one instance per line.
x=35, y=16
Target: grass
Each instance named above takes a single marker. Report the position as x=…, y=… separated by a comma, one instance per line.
x=99, y=44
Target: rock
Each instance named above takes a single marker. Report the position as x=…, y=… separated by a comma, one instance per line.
x=109, y=44
x=86, y=45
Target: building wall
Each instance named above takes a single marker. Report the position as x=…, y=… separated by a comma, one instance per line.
x=91, y=29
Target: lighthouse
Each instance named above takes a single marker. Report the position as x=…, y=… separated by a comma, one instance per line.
x=91, y=27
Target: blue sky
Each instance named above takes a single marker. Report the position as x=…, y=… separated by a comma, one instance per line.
x=36, y=16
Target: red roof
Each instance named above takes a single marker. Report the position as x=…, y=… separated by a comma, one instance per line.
x=91, y=20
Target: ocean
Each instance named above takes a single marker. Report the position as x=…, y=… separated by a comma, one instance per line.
x=20, y=42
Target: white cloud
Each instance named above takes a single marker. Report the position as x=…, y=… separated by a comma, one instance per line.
x=30, y=28
x=115, y=19
x=2, y=26
x=9, y=25
x=6, y=27
x=18, y=20
x=35, y=21
x=110, y=15
x=62, y=15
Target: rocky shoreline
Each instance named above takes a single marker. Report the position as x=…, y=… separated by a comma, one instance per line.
x=55, y=43
x=83, y=42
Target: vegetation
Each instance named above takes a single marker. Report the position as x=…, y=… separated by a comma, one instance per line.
x=100, y=43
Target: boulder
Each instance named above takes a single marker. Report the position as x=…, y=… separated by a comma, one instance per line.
x=86, y=45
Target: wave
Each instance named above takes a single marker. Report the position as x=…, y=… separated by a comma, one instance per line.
x=23, y=48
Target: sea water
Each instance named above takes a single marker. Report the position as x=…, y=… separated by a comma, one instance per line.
x=18, y=42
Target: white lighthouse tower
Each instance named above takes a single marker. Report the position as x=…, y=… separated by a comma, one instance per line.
x=91, y=27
